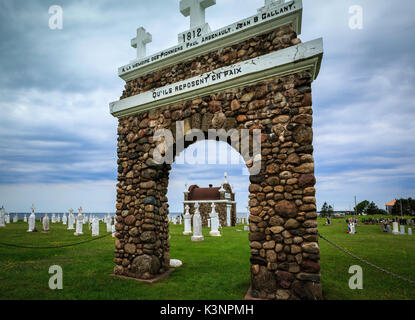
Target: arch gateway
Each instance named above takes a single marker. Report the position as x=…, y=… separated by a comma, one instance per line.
x=255, y=76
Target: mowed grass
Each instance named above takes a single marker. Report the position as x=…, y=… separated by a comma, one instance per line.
x=217, y=268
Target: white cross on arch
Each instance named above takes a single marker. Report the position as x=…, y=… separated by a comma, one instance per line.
x=196, y=10
x=140, y=41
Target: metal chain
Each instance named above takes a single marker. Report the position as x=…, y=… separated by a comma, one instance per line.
x=55, y=247
x=367, y=262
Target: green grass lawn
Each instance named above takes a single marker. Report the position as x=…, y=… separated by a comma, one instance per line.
x=217, y=268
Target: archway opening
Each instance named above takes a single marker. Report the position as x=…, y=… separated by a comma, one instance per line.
x=210, y=173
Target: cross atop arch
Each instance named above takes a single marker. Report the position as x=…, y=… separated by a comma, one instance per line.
x=196, y=10
x=140, y=41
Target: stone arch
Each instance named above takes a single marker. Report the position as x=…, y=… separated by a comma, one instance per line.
x=283, y=236
x=260, y=82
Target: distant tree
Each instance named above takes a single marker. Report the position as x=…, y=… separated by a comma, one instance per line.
x=330, y=211
x=361, y=207
x=408, y=207
x=372, y=208
x=324, y=210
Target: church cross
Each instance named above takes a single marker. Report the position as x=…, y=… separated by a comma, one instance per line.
x=140, y=41
x=196, y=10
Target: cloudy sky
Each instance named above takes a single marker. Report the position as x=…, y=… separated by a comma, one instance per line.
x=58, y=140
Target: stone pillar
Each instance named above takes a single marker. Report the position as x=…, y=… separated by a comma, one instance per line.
x=187, y=222
x=214, y=222
x=197, y=225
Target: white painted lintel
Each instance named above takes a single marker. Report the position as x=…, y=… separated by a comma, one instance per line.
x=302, y=57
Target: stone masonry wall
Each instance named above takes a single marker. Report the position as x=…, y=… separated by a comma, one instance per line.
x=283, y=226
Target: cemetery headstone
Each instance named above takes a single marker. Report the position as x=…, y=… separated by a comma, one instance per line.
x=197, y=225
x=79, y=223
x=395, y=228
x=45, y=224
x=2, y=217
x=32, y=220
x=71, y=220
x=187, y=222
x=95, y=227
x=214, y=222
x=109, y=228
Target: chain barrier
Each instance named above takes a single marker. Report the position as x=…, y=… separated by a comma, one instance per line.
x=55, y=247
x=367, y=262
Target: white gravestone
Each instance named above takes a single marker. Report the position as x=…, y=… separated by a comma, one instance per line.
x=45, y=223
x=402, y=230
x=187, y=222
x=25, y=218
x=214, y=222
x=395, y=229
x=247, y=215
x=352, y=228
x=64, y=219
x=15, y=218
x=409, y=231
x=71, y=220
x=95, y=227
x=197, y=225
x=7, y=218
x=2, y=217
x=32, y=220
x=53, y=218
x=113, y=229
x=58, y=218
x=140, y=42
x=79, y=223
x=109, y=229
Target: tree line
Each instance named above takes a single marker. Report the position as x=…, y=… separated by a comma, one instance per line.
x=370, y=208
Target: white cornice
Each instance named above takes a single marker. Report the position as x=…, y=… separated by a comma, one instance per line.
x=234, y=35
x=302, y=57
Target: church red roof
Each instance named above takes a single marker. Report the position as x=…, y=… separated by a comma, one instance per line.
x=196, y=193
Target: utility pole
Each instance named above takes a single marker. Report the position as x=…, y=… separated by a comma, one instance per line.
x=401, y=207
x=355, y=206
